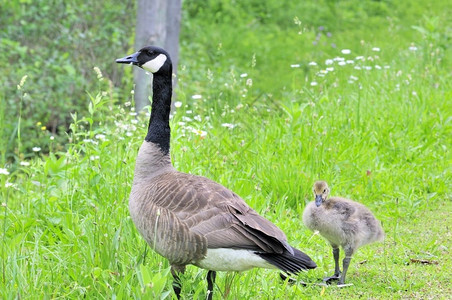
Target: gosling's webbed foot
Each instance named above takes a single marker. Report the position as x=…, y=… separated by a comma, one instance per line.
x=329, y=280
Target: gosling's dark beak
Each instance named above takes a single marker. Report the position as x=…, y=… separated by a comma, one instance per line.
x=318, y=200
x=129, y=59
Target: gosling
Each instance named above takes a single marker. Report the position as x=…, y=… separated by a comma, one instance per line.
x=342, y=222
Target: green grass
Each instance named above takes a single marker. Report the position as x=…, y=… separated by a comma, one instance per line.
x=382, y=139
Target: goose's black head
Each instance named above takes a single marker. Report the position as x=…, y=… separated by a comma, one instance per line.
x=150, y=58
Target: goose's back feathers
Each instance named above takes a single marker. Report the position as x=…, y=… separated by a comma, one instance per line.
x=343, y=222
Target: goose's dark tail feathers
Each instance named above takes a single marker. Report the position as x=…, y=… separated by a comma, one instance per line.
x=286, y=262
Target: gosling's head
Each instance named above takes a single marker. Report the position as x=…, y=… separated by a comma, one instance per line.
x=150, y=58
x=321, y=192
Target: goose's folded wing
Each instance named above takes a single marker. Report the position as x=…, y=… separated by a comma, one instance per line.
x=218, y=214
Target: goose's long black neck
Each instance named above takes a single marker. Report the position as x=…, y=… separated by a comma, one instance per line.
x=159, y=129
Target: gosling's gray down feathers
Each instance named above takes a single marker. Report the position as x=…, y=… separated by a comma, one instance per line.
x=343, y=222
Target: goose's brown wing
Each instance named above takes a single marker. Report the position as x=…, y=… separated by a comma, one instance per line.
x=216, y=213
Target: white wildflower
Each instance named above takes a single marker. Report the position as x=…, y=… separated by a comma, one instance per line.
x=329, y=62
x=349, y=61
x=52, y=137
x=127, y=104
x=297, y=21
x=413, y=48
x=4, y=171
x=359, y=58
x=177, y=104
x=24, y=163
x=243, y=75
x=314, y=83
x=377, y=67
x=36, y=149
x=196, y=97
x=342, y=63
x=330, y=69
x=357, y=68
x=312, y=63
x=376, y=49
x=198, y=118
x=249, y=82
x=295, y=66
x=199, y=132
x=228, y=125
x=100, y=136
x=346, y=51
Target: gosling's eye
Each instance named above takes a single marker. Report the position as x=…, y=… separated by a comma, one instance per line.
x=324, y=190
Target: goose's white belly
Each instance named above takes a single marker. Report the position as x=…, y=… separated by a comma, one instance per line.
x=224, y=259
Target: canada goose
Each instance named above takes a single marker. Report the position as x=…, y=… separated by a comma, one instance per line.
x=190, y=219
x=342, y=222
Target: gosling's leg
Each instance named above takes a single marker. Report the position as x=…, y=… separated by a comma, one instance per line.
x=345, y=264
x=337, y=271
x=177, y=285
x=210, y=281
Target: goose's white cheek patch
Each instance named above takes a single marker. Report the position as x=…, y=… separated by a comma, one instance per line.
x=155, y=64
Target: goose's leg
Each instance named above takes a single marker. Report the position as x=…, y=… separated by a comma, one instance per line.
x=176, y=270
x=345, y=263
x=210, y=281
x=337, y=271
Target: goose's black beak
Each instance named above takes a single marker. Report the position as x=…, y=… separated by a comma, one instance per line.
x=318, y=200
x=129, y=59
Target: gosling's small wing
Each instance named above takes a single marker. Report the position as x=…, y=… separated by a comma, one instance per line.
x=343, y=207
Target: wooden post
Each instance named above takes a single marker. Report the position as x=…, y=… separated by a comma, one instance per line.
x=158, y=24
